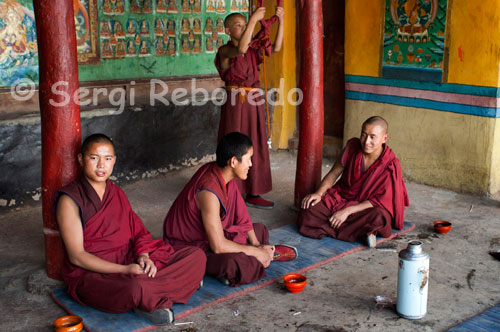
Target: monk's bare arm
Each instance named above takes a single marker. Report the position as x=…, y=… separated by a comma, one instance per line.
x=278, y=41
x=252, y=238
x=209, y=206
x=327, y=182
x=246, y=38
x=71, y=229
x=227, y=52
x=340, y=216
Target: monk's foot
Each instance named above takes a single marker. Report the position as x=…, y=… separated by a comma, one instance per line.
x=224, y=280
x=201, y=284
x=161, y=316
x=371, y=241
x=258, y=202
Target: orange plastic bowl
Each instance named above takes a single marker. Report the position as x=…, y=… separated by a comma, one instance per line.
x=295, y=283
x=442, y=227
x=68, y=324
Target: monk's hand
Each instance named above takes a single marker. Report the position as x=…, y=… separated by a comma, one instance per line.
x=147, y=265
x=134, y=269
x=258, y=14
x=280, y=12
x=339, y=217
x=310, y=200
x=265, y=254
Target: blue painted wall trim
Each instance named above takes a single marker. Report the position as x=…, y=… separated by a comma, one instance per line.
x=441, y=87
x=424, y=75
x=427, y=104
x=491, y=112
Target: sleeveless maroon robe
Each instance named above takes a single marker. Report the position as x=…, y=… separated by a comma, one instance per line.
x=183, y=225
x=382, y=184
x=246, y=118
x=113, y=232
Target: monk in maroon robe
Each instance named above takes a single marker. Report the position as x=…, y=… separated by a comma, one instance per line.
x=111, y=262
x=210, y=213
x=237, y=63
x=368, y=199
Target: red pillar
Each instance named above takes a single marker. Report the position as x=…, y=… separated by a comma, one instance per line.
x=60, y=114
x=311, y=115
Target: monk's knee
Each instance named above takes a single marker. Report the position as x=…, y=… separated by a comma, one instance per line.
x=200, y=257
x=379, y=214
x=303, y=216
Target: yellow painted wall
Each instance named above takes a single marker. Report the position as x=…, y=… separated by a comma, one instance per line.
x=494, y=180
x=454, y=156
x=455, y=151
x=363, y=36
x=280, y=67
x=473, y=28
x=473, y=38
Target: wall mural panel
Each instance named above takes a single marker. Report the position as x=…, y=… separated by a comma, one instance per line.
x=18, y=48
x=147, y=38
x=86, y=31
x=160, y=38
x=414, y=39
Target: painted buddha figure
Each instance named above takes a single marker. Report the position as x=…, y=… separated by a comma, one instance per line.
x=209, y=26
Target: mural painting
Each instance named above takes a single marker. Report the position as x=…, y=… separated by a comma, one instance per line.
x=18, y=48
x=114, y=33
x=414, y=39
x=86, y=30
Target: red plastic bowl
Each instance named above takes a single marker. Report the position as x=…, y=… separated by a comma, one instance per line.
x=68, y=324
x=295, y=283
x=442, y=227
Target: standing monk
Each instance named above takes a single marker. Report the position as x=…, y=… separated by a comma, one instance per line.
x=112, y=263
x=210, y=213
x=243, y=111
x=368, y=199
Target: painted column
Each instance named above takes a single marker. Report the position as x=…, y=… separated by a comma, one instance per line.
x=311, y=115
x=60, y=114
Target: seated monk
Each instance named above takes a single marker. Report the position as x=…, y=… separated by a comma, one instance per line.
x=368, y=199
x=111, y=261
x=211, y=214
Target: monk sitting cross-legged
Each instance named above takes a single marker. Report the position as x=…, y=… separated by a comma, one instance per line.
x=112, y=263
x=368, y=199
x=210, y=213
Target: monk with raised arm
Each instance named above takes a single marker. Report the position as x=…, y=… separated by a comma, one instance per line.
x=111, y=261
x=210, y=213
x=369, y=198
x=238, y=65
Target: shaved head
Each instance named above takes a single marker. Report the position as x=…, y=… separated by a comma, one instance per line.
x=230, y=18
x=96, y=138
x=377, y=120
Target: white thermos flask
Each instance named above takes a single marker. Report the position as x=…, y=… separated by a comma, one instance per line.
x=413, y=281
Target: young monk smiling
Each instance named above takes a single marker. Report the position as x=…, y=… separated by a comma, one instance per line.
x=368, y=199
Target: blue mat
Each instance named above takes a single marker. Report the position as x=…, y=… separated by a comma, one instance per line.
x=312, y=253
x=488, y=321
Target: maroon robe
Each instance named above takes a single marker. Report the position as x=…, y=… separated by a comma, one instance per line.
x=183, y=225
x=113, y=232
x=382, y=184
x=237, y=114
x=262, y=39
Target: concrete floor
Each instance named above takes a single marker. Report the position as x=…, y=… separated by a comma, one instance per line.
x=464, y=279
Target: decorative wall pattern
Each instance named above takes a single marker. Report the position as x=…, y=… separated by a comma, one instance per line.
x=414, y=38
x=143, y=28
